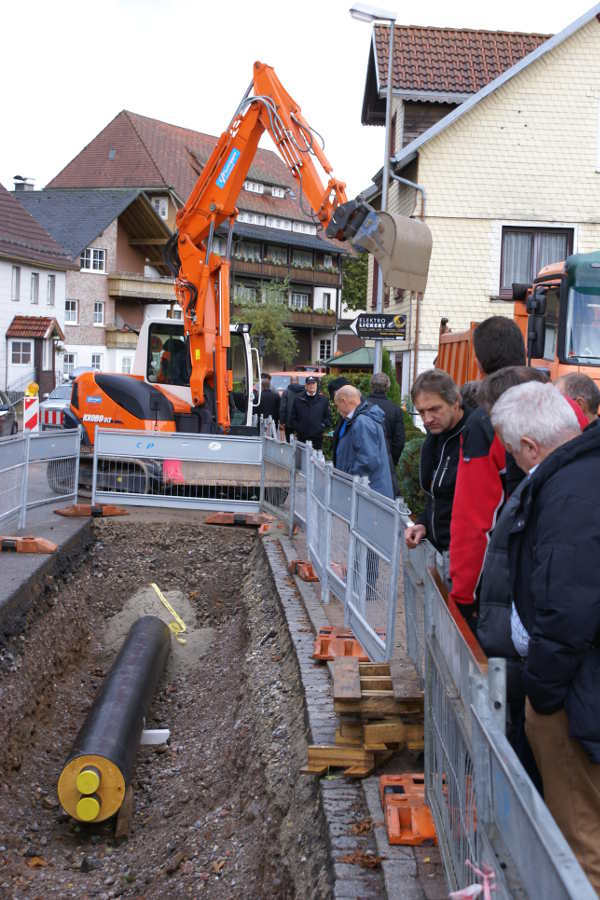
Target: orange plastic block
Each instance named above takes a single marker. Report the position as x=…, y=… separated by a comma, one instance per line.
x=26, y=545
x=331, y=643
x=407, y=817
x=250, y=520
x=303, y=569
x=100, y=510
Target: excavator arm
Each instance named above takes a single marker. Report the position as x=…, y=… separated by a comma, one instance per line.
x=202, y=277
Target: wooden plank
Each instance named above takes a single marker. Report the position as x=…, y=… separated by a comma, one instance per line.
x=377, y=707
x=405, y=681
x=398, y=732
x=375, y=683
x=346, y=680
x=374, y=669
x=349, y=735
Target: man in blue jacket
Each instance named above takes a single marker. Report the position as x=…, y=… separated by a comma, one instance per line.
x=553, y=550
x=361, y=447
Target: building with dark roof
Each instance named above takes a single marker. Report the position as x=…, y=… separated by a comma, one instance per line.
x=33, y=273
x=276, y=240
x=114, y=238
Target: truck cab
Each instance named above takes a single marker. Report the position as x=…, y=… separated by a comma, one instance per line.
x=559, y=315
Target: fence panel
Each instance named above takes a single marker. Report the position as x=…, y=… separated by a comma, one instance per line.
x=13, y=468
x=278, y=482
x=302, y=462
x=194, y=471
x=317, y=520
x=340, y=509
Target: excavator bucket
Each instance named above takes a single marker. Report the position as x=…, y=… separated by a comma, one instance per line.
x=401, y=246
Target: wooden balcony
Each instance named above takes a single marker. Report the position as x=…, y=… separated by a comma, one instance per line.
x=325, y=277
x=116, y=339
x=297, y=319
x=124, y=286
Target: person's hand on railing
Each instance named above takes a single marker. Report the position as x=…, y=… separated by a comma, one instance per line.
x=413, y=535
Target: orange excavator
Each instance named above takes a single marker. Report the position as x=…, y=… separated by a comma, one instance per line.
x=184, y=376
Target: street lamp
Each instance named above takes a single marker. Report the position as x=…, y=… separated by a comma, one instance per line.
x=364, y=12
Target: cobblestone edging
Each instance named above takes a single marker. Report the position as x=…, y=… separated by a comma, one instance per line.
x=342, y=801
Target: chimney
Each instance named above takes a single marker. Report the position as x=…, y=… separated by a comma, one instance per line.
x=22, y=183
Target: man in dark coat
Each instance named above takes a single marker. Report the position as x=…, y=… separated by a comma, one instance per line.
x=553, y=551
x=393, y=424
x=310, y=414
x=269, y=400
x=437, y=400
x=286, y=404
x=362, y=449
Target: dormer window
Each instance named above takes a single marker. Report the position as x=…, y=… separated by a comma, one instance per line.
x=255, y=186
x=278, y=191
x=161, y=205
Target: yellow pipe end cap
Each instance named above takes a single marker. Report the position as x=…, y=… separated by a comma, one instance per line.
x=88, y=808
x=88, y=781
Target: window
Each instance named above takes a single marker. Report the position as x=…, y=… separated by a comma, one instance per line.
x=69, y=360
x=255, y=186
x=278, y=191
x=161, y=205
x=50, y=290
x=219, y=245
x=99, y=312
x=325, y=349
x=526, y=250
x=304, y=228
x=299, y=301
x=277, y=256
x=93, y=260
x=15, y=285
x=20, y=354
x=177, y=312
x=275, y=222
x=126, y=365
x=302, y=259
x=243, y=293
x=96, y=361
x=71, y=311
x=328, y=261
x=34, y=295
x=248, y=252
x=251, y=218
x=326, y=301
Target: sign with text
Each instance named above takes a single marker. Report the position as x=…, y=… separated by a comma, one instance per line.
x=380, y=325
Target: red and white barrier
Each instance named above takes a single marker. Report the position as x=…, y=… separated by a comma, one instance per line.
x=31, y=413
x=52, y=418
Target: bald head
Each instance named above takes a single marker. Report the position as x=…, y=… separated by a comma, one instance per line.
x=346, y=399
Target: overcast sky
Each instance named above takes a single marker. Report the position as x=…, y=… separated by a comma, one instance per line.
x=68, y=67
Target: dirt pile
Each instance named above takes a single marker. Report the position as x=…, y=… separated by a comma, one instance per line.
x=221, y=811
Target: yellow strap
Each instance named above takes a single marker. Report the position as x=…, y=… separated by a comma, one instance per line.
x=178, y=626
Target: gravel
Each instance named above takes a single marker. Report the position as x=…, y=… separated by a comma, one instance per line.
x=222, y=810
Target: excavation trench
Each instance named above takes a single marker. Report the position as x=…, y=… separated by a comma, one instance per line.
x=222, y=810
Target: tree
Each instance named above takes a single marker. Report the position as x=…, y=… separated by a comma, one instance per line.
x=268, y=317
x=355, y=271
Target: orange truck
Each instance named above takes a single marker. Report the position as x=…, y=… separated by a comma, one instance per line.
x=559, y=315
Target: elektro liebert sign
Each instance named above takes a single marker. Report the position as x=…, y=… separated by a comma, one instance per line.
x=377, y=325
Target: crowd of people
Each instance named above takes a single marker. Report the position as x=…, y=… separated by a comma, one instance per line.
x=509, y=470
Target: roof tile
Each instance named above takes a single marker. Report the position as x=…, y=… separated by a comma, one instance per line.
x=447, y=59
x=23, y=238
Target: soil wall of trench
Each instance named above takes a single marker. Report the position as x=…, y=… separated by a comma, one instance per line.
x=220, y=811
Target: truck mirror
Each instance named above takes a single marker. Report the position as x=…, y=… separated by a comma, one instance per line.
x=536, y=337
x=519, y=291
x=536, y=302
x=401, y=246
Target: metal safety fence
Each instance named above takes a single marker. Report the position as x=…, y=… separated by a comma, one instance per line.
x=485, y=807
x=186, y=471
x=36, y=469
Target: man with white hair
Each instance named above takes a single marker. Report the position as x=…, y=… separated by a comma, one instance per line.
x=553, y=529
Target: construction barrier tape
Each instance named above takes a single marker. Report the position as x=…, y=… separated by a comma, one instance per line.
x=178, y=626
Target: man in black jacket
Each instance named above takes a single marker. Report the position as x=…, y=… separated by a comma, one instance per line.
x=286, y=404
x=394, y=422
x=553, y=551
x=310, y=414
x=269, y=400
x=437, y=400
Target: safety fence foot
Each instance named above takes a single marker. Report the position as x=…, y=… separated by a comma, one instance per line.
x=303, y=569
x=100, y=510
x=26, y=545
